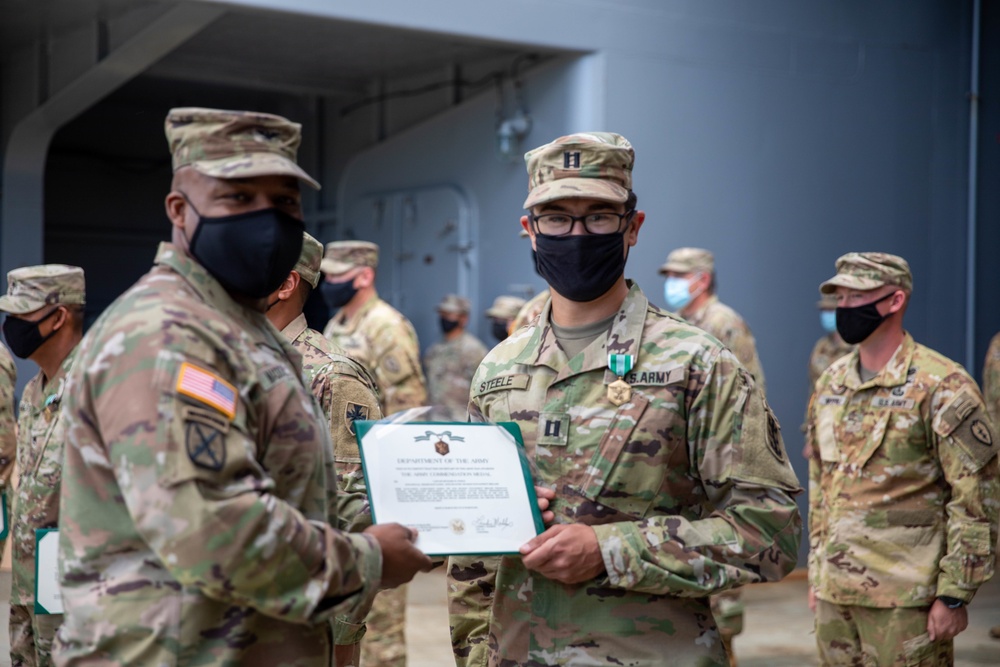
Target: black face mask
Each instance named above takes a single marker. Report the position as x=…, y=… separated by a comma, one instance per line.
x=23, y=337
x=499, y=329
x=856, y=324
x=580, y=267
x=338, y=295
x=447, y=326
x=249, y=253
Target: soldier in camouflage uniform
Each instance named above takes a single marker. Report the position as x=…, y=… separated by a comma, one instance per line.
x=530, y=310
x=671, y=480
x=8, y=431
x=451, y=362
x=44, y=307
x=502, y=313
x=346, y=392
x=991, y=394
x=827, y=350
x=381, y=338
x=195, y=519
x=690, y=292
x=903, y=483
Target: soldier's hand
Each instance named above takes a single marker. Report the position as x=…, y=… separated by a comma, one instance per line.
x=568, y=553
x=400, y=558
x=944, y=623
x=545, y=498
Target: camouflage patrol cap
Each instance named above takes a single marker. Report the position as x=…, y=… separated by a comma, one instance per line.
x=689, y=260
x=342, y=256
x=505, y=307
x=827, y=302
x=234, y=144
x=33, y=287
x=454, y=305
x=868, y=270
x=309, y=260
x=595, y=165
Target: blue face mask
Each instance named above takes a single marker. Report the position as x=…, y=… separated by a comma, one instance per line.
x=828, y=318
x=677, y=293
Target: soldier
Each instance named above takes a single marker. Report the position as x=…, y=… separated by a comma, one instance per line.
x=671, y=481
x=44, y=307
x=381, y=338
x=902, y=484
x=194, y=517
x=346, y=392
x=502, y=313
x=8, y=436
x=451, y=362
x=530, y=310
x=690, y=292
x=991, y=394
x=827, y=350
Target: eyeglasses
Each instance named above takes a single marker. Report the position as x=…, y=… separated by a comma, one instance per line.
x=561, y=224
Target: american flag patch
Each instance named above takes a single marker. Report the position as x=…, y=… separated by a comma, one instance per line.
x=208, y=388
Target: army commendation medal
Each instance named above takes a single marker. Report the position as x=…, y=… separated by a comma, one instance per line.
x=620, y=391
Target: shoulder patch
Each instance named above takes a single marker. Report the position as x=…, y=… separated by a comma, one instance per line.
x=502, y=382
x=208, y=388
x=354, y=412
x=204, y=438
x=964, y=421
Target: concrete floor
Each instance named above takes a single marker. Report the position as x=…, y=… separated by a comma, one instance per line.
x=778, y=626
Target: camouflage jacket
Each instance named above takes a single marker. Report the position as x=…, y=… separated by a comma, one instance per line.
x=530, y=310
x=383, y=341
x=686, y=484
x=991, y=379
x=8, y=424
x=449, y=366
x=40, y=438
x=195, y=507
x=726, y=324
x=902, y=484
x=827, y=350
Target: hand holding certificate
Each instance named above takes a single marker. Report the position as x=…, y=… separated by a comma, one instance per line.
x=465, y=487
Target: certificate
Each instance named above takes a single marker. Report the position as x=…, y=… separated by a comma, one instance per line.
x=48, y=599
x=466, y=488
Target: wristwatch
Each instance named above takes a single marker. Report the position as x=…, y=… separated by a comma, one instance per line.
x=950, y=602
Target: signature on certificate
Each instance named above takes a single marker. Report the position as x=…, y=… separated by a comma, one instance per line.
x=493, y=522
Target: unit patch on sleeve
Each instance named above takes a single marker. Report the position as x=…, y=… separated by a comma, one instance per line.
x=204, y=438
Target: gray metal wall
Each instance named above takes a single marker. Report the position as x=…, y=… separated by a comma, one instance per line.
x=778, y=143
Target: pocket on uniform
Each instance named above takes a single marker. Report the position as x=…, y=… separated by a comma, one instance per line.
x=920, y=651
x=977, y=557
x=609, y=479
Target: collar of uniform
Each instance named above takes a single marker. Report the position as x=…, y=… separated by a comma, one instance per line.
x=295, y=328
x=892, y=375
x=626, y=331
x=351, y=323
x=200, y=280
x=698, y=315
x=53, y=389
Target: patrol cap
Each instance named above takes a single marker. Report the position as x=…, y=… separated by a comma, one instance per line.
x=689, y=260
x=827, y=302
x=30, y=288
x=596, y=165
x=342, y=256
x=454, y=305
x=234, y=144
x=309, y=260
x=868, y=270
x=505, y=307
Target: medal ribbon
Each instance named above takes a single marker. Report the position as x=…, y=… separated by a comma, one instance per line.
x=620, y=364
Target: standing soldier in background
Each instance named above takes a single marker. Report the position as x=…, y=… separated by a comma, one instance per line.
x=903, y=482
x=451, y=363
x=195, y=510
x=502, y=314
x=44, y=307
x=530, y=310
x=346, y=392
x=991, y=395
x=381, y=338
x=669, y=475
x=8, y=438
x=690, y=292
x=827, y=349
